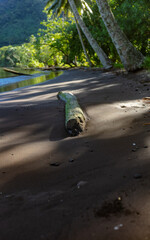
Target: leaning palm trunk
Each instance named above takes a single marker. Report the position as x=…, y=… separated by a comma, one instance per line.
x=101, y=54
x=131, y=58
x=82, y=43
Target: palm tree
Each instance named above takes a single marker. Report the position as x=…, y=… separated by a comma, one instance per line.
x=58, y=7
x=131, y=58
x=82, y=43
x=63, y=5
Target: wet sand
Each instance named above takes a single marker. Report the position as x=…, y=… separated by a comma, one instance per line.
x=100, y=186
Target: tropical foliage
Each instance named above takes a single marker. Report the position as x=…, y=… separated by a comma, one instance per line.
x=57, y=41
x=56, y=44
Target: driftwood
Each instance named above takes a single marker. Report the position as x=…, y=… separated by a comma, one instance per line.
x=75, y=120
x=15, y=72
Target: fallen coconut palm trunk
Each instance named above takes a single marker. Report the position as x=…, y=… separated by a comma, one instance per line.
x=15, y=72
x=75, y=120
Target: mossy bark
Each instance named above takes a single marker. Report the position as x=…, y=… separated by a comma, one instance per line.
x=75, y=120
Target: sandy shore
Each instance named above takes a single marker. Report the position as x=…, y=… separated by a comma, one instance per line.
x=100, y=188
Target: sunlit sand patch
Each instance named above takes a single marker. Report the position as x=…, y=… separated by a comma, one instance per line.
x=23, y=153
x=138, y=103
x=114, y=120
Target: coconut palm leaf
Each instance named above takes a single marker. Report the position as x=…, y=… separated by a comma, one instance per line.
x=59, y=6
x=75, y=6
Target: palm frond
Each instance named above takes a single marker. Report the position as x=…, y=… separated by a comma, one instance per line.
x=59, y=6
x=86, y=5
x=51, y=4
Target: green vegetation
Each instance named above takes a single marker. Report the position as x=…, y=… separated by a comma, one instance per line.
x=133, y=18
x=146, y=64
x=19, y=19
x=57, y=42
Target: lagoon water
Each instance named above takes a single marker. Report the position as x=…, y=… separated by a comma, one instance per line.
x=9, y=81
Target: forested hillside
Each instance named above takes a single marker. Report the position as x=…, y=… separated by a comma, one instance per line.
x=19, y=19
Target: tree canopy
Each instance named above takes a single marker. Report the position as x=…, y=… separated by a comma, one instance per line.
x=57, y=43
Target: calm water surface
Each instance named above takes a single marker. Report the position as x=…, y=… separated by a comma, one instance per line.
x=9, y=81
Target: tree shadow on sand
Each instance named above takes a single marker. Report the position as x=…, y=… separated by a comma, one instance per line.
x=40, y=200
